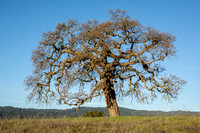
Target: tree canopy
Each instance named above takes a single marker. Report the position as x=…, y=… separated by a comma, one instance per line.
x=116, y=57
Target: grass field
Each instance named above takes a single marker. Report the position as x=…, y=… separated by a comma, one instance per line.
x=129, y=124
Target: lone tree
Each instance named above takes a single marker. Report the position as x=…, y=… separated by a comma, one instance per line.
x=119, y=57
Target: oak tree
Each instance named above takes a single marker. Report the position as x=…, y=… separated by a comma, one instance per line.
x=119, y=57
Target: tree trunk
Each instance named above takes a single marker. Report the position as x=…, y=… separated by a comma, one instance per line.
x=111, y=103
x=110, y=98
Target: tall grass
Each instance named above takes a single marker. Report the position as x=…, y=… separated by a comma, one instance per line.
x=130, y=124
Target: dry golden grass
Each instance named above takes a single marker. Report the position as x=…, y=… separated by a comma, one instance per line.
x=133, y=124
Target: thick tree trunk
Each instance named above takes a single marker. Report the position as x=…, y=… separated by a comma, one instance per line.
x=110, y=98
x=111, y=103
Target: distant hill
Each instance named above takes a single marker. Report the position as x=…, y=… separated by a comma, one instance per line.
x=8, y=112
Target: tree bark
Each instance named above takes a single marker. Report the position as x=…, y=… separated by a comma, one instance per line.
x=110, y=98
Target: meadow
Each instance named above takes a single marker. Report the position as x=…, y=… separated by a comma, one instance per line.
x=122, y=124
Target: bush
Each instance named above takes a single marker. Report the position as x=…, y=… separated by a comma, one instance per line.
x=94, y=114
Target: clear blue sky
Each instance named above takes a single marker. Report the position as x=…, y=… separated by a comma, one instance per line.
x=23, y=21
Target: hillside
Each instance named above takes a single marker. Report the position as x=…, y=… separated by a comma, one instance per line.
x=8, y=112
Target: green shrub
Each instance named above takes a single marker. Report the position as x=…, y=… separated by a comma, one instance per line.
x=94, y=114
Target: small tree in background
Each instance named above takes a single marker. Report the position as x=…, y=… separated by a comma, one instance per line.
x=104, y=56
x=94, y=114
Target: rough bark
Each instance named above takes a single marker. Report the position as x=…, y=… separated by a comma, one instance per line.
x=110, y=98
x=112, y=106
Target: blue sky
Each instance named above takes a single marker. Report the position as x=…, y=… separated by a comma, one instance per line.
x=22, y=23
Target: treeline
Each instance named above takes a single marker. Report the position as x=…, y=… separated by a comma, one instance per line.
x=8, y=112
